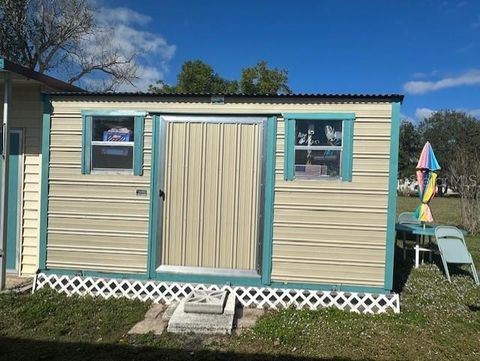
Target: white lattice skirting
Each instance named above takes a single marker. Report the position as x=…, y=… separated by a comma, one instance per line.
x=259, y=297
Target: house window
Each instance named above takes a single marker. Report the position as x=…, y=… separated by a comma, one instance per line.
x=112, y=144
x=318, y=146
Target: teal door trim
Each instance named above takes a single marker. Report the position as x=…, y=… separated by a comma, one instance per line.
x=269, y=196
x=14, y=208
x=392, y=196
x=156, y=209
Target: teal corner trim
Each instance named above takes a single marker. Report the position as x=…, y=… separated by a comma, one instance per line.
x=47, y=109
x=347, y=141
x=269, y=200
x=347, y=152
x=289, y=151
x=139, y=126
x=154, y=200
x=392, y=196
x=86, y=144
x=2, y=64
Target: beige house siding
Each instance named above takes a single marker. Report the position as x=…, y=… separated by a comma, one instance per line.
x=334, y=232
x=26, y=113
x=324, y=231
x=95, y=221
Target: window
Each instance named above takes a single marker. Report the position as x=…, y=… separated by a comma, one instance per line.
x=318, y=146
x=112, y=143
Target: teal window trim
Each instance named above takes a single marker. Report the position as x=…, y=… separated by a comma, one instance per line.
x=347, y=141
x=2, y=64
x=44, y=189
x=392, y=196
x=138, y=137
x=113, y=113
x=269, y=197
x=139, y=128
x=86, y=144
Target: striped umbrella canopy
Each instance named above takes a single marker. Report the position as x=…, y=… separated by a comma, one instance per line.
x=427, y=169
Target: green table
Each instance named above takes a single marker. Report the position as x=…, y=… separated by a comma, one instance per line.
x=421, y=231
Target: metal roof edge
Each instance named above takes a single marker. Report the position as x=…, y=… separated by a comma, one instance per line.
x=390, y=97
x=50, y=81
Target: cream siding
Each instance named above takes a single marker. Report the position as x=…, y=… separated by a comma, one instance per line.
x=95, y=221
x=26, y=113
x=328, y=232
x=334, y=232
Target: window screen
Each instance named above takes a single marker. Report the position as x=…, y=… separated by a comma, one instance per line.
x=112, y=143
x=318, y=148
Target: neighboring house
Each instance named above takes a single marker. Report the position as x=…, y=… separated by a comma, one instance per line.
x=260, y=192
x=25, y=128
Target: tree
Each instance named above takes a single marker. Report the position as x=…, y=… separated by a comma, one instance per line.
x=451, y=131
x=410, y=147
x=64, y=36
x=199, y=77
x=261, y=80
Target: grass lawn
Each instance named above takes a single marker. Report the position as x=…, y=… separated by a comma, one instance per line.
x=439, y=321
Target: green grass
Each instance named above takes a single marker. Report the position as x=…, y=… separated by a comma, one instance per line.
x=444, y=210
x=439, y=321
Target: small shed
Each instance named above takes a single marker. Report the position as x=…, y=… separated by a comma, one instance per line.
x=146, y=194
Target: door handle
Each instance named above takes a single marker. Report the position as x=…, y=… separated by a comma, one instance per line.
x=162, y=194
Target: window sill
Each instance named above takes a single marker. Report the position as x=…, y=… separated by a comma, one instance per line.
x=112, y=172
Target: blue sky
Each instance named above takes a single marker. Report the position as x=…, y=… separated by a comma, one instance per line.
x=428, y=50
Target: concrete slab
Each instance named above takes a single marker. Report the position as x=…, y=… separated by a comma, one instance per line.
x=205, y=323
x=169, y=311
x=152, y=322
x=205, y=301
x=246, y=318
x=17, y=284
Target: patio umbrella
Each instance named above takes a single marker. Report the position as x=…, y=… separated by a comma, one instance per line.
x=427, y=169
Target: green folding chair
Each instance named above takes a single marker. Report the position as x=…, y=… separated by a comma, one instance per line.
x=407, y=218
x=453, y=249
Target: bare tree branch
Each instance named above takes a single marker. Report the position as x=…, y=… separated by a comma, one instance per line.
x=51, y=34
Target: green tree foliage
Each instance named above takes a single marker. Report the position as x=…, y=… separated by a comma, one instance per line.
x=199, y=77
x=451, y=132
x=410, y=147
x=261, y=80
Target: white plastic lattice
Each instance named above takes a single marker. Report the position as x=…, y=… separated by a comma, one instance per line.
x=259, y=297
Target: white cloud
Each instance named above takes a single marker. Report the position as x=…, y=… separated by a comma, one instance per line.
x=471, y=77
x=147, y=75
x=123, y=33
x=422, y=113
x=407, y=118
x=121, y=15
